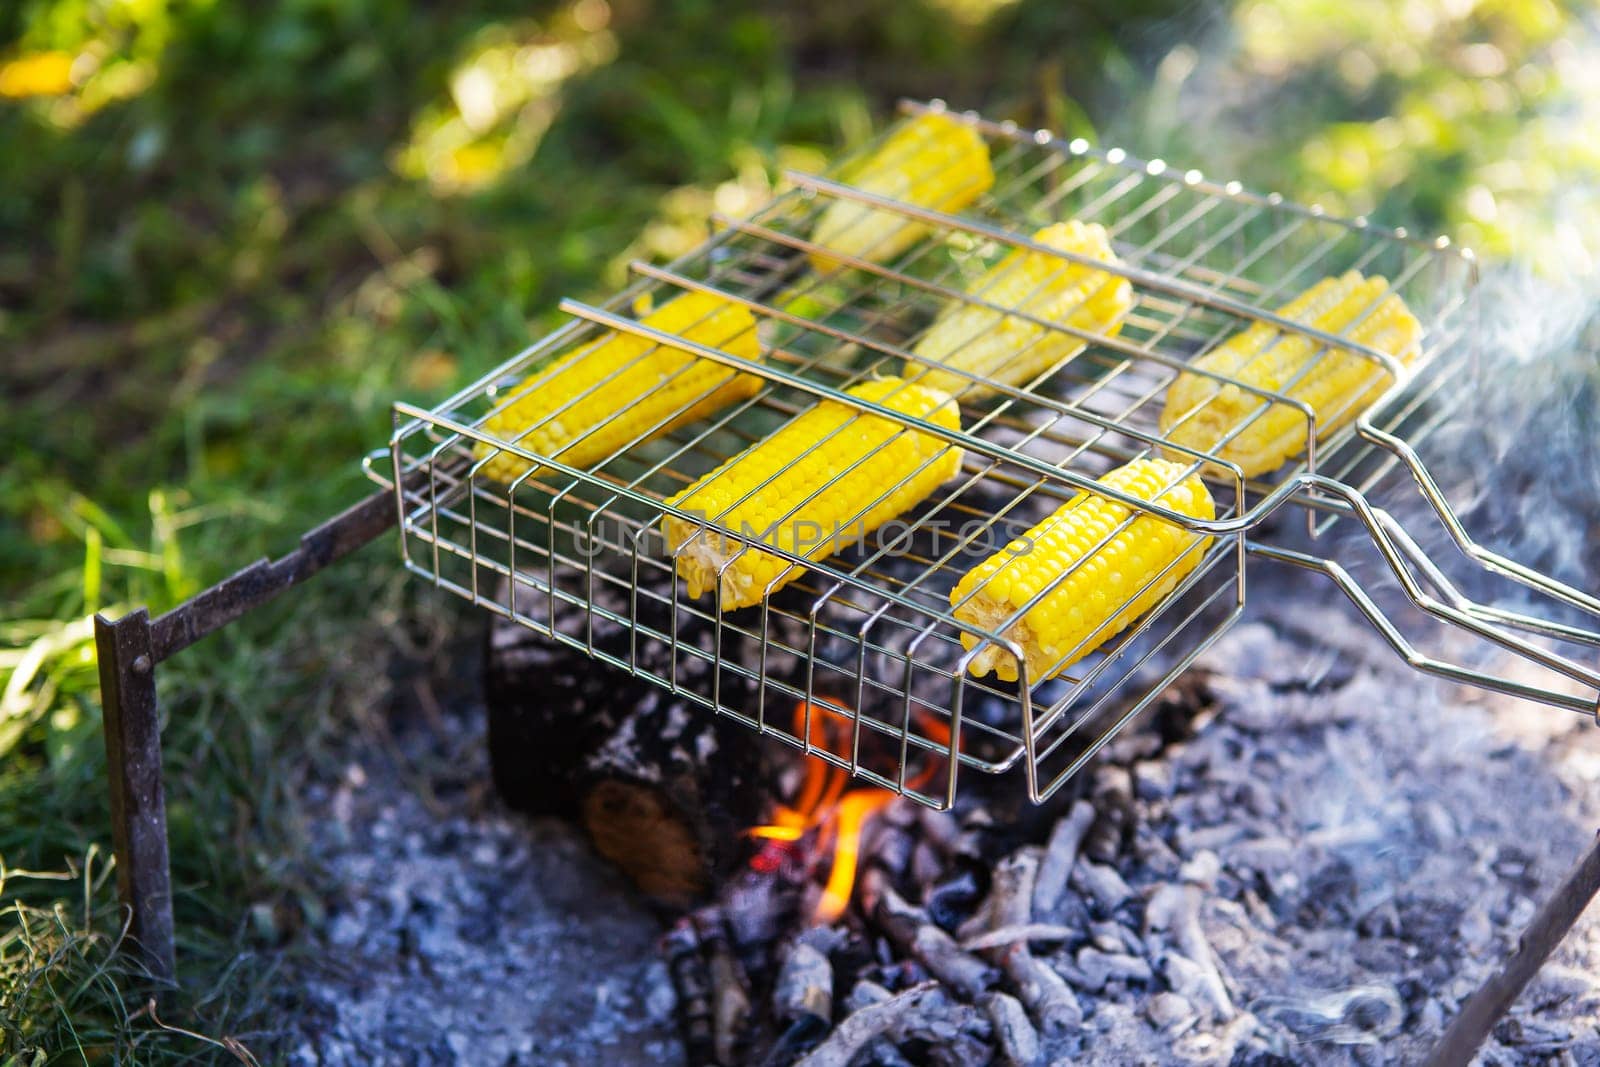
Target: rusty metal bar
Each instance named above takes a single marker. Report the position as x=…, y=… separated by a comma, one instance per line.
x=129, y=650
x=127, y=663
x=264, y=579
x=1494, y=998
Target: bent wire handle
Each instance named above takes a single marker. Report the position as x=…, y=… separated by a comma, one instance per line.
x=1428, y=664
x=1401, y=554
x=1490, y=561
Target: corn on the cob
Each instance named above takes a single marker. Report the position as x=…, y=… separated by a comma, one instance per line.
x=599, y=398
x=1100, y=596
x=933, y=161
x=828, y=476
x=1011, y=350
x=1339, y=385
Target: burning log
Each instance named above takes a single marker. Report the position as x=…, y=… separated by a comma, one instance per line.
x=867, y=1024
x=663, y=789
x=1018, y=1040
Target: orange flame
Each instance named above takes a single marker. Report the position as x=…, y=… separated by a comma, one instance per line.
x=822, y=803
x=857, y=807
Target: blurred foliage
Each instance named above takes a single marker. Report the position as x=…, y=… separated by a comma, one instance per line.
x=1471, y=118
x=231, y=235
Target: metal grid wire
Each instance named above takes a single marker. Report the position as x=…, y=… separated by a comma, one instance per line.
x=861, y=661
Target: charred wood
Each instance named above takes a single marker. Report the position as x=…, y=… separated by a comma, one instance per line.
x=1060, y=855
x=914, y=933
x=663, y=789
x=1013, y=1032
x=868, y=1023
x=691, y=981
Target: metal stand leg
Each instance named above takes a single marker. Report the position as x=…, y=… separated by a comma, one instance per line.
x=129, y=650
x=1494, y=998
x=138, y=800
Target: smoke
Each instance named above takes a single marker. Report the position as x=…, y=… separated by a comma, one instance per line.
x=1447, y=117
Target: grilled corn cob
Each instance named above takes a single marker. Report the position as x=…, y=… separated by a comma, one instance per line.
x=1011, y=350
x=601, y=397
x=831, y=474
x=933, y=161
x=1339, y=385
x=1100, y=596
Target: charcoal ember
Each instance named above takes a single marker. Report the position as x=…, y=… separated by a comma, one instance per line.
x=1061, y=855
x=913, y=933
x=1533, y=1035
x=804, y=985
x=1382, y=955
x=1183, y=707
x=1108, y=936
x=730, y=991
x=1072, y=911
x=798, y=1038
x=883, y=1053
x=1171, y=1013
x=1050, y=1001
x=1096, y=967
x=1515, y=865
x=757, y=906
x=1154, y=854
x=1248, y=1057
x=940, y=829
x=1131, y=746
x=1102, y=885
x=1476, y=929
x=1557, y=984
x=977, y=840
x=889, y=848
x=871, y=1018
x=1382, y=920
x=864, y=994
x=1112, y=831
x=691, y=980
x=952, y=901
x=1329, y=895
x=1152, y=780
x=1430, y=923
x=947, y=1032
x=927, y=867
x=1018, y=1041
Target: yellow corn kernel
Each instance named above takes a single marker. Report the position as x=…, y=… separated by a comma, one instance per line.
x=596, y=400
x=1013, y=351
x=933, y=161
x=1101, y=594
x=1338, y=385
x=829, y=476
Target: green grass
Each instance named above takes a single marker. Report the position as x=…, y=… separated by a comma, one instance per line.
x=239, y=238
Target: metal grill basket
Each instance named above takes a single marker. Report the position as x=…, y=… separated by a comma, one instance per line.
x=866, y=639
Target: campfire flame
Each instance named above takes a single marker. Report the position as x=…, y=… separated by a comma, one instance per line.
x=823, y=805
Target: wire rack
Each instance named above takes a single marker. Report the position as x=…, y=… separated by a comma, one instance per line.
x=861, y=662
